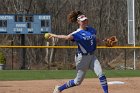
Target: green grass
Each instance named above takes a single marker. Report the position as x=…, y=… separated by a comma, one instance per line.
x=60, y=74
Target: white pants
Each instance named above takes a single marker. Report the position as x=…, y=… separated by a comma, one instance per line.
x=85, y=62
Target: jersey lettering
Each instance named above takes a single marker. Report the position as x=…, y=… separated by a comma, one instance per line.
x=86, y=38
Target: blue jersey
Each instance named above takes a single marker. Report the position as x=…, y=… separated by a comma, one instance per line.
x=85, y=39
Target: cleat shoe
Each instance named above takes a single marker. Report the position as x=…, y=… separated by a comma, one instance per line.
x=56, y=90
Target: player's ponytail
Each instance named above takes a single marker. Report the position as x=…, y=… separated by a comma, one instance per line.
x=72, y=16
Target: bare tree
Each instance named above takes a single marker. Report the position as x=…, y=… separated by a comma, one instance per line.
x=108, y=17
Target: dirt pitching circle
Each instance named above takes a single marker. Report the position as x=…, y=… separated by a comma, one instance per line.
x=131, y=85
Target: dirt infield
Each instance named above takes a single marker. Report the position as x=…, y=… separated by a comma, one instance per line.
x=132, y=85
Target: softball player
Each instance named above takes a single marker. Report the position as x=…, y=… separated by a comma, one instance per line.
x=85, y=37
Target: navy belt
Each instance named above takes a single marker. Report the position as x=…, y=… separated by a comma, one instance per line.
x=89, y=53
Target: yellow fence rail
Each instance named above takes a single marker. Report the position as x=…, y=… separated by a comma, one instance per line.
x=102, y=47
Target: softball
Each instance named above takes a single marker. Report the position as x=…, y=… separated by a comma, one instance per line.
x=47, y=35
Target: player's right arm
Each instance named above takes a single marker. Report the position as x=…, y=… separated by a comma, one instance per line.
x=65, y=37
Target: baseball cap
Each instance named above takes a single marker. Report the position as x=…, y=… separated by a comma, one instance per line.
x=82, y=18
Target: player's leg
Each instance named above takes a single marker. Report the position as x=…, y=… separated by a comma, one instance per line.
x=81, y=67
x=77, y=81
x=96, y=67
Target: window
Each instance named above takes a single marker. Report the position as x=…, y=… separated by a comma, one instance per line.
x=44, y=23
x=3, y=23
x=29, y=25
x=28, y=18
x=18, y=18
